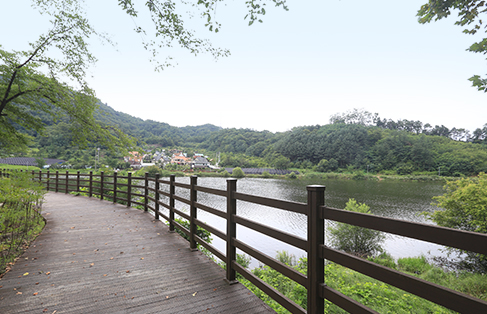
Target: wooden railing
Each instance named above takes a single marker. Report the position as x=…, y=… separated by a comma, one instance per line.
x=131, y=190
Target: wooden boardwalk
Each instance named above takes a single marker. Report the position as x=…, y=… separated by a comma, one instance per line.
x=97, y=257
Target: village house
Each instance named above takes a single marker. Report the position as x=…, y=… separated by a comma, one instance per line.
x=134, y=158
x=200, y=162
x=180, y=159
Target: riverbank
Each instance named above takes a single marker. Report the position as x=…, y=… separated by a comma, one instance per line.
x=373, y=293
x=304, y=174
x=339, y=191
x=307, y=175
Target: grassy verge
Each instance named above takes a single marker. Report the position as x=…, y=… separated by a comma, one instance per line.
x=14, y=167
x=360, y=175
x=368, y=291
x=20, y=218
x=303, y=174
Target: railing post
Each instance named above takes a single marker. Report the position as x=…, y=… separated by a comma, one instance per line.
x=90, y=189
x=115, y=187
x=102, y=173
x=47, y=179
x=231, y=230
x=172, y=191
x=77, y=181
x=146, y=193
x=316, y=238
x=192, y=223
x=57, y=181
x=40, y=177
x=156, y=196
x=66, y=182
x=129, y=190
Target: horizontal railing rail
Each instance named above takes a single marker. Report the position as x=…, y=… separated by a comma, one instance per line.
x=152, y=193
x=465, y=240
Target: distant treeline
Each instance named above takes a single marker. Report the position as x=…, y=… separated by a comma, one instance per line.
x=354, y=140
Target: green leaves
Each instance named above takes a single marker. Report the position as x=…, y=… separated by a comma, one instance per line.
x=256, y=9
x=470, y=16
x=480, y=83
x=354, y=239
x=465, y=208
x=20, y=219
x=31, y=82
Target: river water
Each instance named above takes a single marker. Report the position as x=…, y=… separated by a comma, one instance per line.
x=404, y=200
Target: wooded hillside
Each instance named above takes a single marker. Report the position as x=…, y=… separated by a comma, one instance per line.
x=372, y=144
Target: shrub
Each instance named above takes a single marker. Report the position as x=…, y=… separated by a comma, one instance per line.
x=404, y=168
x=377, y=295
x=266, y=174
x=40, y=162
x=202, y=233
x=238, y=173
x=327, y=165
x=353, y=239
x=286, y=258
x=417, y=265
x=20, y=218
x=384, y=259
x=292, y=175
x=153, y=170
x=358, y=175
x=465, y=204
x=225, y=174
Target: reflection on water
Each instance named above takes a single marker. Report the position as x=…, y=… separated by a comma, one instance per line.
x=395, y=199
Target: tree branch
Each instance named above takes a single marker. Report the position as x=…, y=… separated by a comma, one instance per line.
x=5, y=100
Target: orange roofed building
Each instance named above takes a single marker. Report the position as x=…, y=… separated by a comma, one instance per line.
x=134, y=158
x=180, y=159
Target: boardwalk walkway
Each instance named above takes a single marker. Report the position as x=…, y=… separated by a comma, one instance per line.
x=97, y=257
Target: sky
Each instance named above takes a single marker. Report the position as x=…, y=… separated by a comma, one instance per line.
x=296, y=68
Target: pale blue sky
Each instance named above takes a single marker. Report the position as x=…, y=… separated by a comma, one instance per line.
x=297, y=68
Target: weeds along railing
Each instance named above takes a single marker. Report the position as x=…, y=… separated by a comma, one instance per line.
x=152, y=193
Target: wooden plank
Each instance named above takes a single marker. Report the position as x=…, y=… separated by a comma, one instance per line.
x=98, y=257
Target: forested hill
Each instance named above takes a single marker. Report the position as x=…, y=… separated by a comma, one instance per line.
x=153, y=132
x=358, y=140
x=148, y=131
x=354, y=141
x=336, y=146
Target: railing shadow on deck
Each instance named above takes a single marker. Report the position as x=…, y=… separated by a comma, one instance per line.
x=146, y=193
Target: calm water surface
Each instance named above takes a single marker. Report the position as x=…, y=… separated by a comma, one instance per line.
x=394, y=199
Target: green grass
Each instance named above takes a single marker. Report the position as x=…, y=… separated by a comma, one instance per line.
x=20, y=218
x=14, y=167
x=375, y=294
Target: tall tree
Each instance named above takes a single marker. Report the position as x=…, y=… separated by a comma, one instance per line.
x=34, y=81
x=354, y=116
x=465, y=204
x=170, y=20
x=469, y=16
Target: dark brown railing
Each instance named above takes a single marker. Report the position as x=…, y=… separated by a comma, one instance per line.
x=150, y=192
